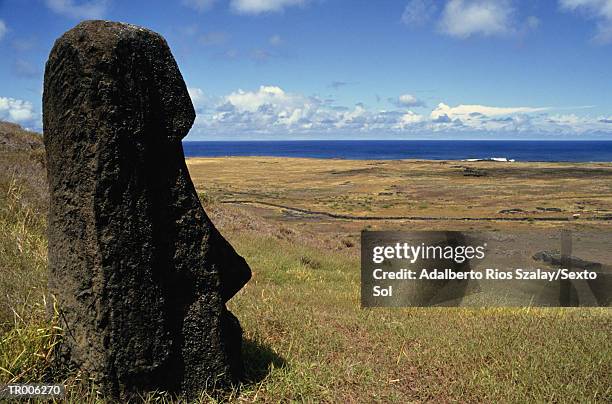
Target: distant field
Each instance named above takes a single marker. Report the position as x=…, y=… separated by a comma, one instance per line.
x=434, y=194
x=306, y=338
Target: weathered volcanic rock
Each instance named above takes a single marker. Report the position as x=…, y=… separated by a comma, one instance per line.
x=140, y=273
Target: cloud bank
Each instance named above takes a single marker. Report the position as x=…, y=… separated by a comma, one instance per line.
x=270, y=111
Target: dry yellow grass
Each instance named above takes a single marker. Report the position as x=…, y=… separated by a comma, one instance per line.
x=414, y=188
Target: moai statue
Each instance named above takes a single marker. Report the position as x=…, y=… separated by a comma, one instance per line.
x=140, y=273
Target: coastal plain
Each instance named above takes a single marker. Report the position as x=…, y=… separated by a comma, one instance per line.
x=350, y=194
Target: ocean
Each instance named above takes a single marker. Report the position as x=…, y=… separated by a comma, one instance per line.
x=570, y=151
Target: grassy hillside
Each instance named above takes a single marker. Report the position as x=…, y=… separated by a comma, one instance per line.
x=306, y=338
x=303, y=305
x=23, y=196
x=26, y=332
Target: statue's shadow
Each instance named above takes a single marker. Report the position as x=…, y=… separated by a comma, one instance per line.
x=259, y=360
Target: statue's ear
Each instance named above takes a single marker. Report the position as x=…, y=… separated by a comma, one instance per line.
x=176, y=112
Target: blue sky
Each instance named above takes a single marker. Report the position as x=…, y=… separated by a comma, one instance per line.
x=360, y=69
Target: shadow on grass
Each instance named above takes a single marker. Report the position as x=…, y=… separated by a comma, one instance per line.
x=259, y=360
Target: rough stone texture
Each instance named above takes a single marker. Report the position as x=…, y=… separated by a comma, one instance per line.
x=140, y=273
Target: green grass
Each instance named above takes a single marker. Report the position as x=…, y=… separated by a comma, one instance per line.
x=23, y=253
x=335, y=351
x=27, y=332
x=307, y=339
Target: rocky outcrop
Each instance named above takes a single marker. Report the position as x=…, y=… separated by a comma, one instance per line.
x=140, y=273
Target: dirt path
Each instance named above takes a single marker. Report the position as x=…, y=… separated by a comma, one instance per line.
x=423, y=218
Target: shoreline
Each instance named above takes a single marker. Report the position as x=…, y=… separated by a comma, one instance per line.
x=422, y=161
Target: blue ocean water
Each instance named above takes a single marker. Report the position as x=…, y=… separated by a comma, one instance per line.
x=574, y=151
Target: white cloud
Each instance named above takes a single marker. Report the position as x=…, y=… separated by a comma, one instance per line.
x=408, y=119
x=600, y=10
x=3, y=29
x=572, y=123
x=469, y=111
x=409, y=100
x=199, y=5
x=85, y=9
x=464, y=18
x=516, y=121
x=270, y=109
x=271, y=95
x=418, y=12
x=263, y=6
x=566, y=119
x=17, y=111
